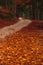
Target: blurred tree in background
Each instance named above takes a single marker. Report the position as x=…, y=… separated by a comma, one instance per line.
x=32, y=9
x=7, y=7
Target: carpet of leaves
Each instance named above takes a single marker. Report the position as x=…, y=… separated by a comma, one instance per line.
x=22, y=48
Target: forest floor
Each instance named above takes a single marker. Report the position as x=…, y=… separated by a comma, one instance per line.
x=23, y=47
